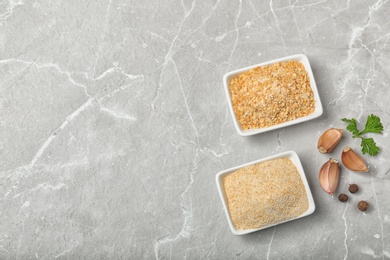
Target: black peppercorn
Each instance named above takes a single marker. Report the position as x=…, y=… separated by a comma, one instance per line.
x=353, y=188
x=363, y=205
x=343, y=197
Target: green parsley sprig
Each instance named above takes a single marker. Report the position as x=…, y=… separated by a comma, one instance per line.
x=373, y=125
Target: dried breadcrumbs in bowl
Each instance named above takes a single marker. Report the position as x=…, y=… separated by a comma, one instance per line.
x=271, y=95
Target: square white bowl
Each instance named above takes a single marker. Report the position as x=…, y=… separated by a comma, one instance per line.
x=290, y=155
x=298, y=57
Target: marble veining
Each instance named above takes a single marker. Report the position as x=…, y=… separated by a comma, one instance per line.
x=114, y=123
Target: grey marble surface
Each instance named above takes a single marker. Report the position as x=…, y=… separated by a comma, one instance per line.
x=114, y=123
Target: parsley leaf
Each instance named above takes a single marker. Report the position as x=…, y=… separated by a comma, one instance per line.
x=352, y=126
x=373, y=125
x=369, y=146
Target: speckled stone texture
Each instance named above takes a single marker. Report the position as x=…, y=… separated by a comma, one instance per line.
x=114, y=123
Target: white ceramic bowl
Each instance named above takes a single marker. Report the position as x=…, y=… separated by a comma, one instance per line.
x=298, y=57
x=295, y=159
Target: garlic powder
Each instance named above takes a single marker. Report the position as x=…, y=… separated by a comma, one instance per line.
x=265, y=193
x=271, y=95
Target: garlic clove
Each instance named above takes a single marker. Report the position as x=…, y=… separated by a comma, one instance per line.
x=329, y=140
x=329, y=176
x=353, y=161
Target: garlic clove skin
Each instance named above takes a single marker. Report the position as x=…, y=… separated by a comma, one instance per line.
x=329, y=140
x=353, y=161
x=329, y=176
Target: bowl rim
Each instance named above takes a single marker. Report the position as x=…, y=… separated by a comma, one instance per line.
x=293, y=156
x=318, y=111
